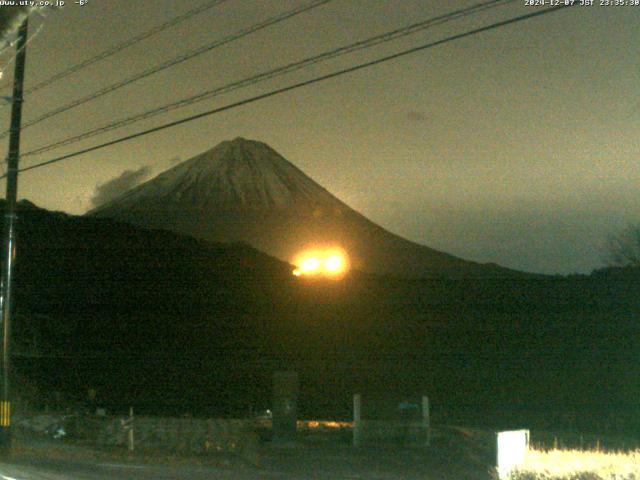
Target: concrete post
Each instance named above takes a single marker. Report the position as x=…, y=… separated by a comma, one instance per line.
x=357, y=419
x=9, y=241
x=285, y=406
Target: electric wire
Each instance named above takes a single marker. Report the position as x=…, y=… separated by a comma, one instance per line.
x=126, y=44
x=268, y=75
x=175, y=61
x=295, y=86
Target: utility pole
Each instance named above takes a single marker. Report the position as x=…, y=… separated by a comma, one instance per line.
x=9, y=238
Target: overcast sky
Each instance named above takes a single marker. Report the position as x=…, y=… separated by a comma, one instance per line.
x=517, y=146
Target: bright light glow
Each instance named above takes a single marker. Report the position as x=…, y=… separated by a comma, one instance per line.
x=310, y=265
x=331, y=263
x=322, y=425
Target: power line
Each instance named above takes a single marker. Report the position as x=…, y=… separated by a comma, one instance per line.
x=175, y=61
x=299, y=85
x=268, y=75
x=126, y=44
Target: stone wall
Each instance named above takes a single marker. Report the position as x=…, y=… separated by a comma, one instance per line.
x=192, y=435
x=395, y=432
x=179, y=434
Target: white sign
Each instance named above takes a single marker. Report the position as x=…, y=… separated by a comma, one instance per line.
x=512, y=449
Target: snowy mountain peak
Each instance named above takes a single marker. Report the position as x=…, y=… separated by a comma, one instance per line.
x=237, y=174
x=251, y=174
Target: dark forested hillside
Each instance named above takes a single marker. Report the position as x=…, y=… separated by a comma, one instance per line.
x=171, y=324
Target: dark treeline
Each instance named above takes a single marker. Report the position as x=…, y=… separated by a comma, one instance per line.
x=174, y=325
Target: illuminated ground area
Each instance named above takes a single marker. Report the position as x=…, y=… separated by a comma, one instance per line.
x=576, y=464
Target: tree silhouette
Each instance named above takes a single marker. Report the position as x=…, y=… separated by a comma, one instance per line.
x=624, y=248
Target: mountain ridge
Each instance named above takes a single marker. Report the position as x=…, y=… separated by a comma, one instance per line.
x=243, y=190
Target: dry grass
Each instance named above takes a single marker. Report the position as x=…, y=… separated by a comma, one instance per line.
x=579, y=465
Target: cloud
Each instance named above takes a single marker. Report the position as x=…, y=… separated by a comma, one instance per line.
x=415, y=116
x=115, y=187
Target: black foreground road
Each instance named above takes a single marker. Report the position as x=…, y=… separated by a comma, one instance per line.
x=68, y=470
x=323, y=461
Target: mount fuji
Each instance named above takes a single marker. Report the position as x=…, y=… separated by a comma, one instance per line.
x=244, y=191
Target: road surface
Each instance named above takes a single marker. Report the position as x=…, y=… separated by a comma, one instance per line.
x=311, y=460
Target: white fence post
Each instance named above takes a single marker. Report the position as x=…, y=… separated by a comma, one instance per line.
x=357, y=419
x=131, y=443
x=426, y=420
